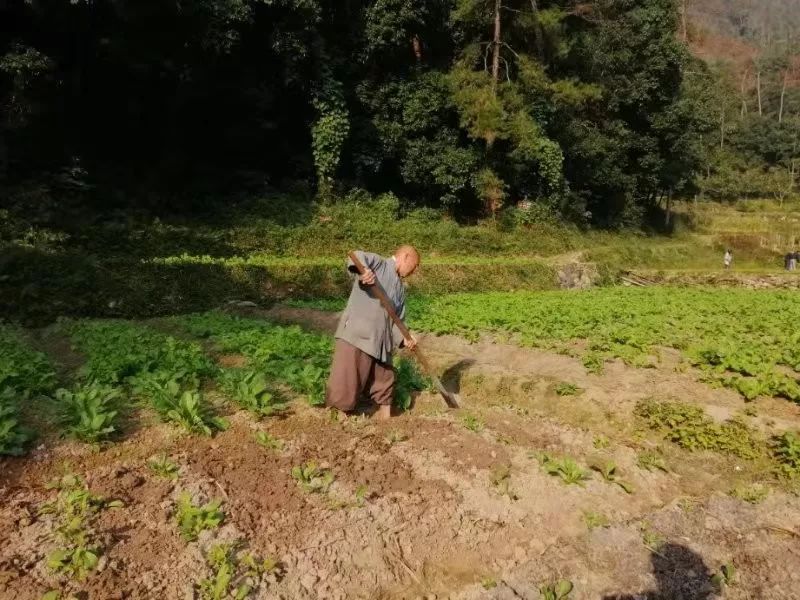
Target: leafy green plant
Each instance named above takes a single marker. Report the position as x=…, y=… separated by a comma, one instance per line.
x=312, y=478
x=362, y=493
x=192, y=519
x=74, y=509
x=651, y=460
x=186, y=408
x=24, y=370
x=652, y=540
x=556, y=591
x=14, y=437
x=500, y=478
x=567, y=389
x=89, y=411
x=786, y=452
x=594, y=520
x=608, y=470
x=472, y=422
x=688, y=426
x=488, y=583
x=250, y=390
x=594, y=363
x=753, y=494
x=235, y=572
x=565, y=468
x=725, y=577
x=408, y=380
x=163, y=467
x=268, y=441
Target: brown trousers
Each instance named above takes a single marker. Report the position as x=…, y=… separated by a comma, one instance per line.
x=354, y=372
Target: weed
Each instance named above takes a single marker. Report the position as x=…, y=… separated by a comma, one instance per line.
x=567, y=389
x=268, y=441
x=88, y=412
x=556, y=591
x=594, y=520
x=725, y=577
x=688, y=426
x=488, y=583
x=362, y=493
x=312, y=478
x=651, y=460
x=163, y=467
x=249, y=389
x=407, y=381
x=652, y=540
x=192, y=519
x=786, y=452
x=754, y=494
x=566, y=468
x=472, y=422
x=601, y=442
x=594, y=363
x=609, y=472
x=396, y=436
x=501, y=480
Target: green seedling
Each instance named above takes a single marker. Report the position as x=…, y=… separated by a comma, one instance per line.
x=472, y=423
x=192, y=519
x=88, y=412
x=395, y=436
x=75, y=508
x=601, y=442
x=311, y=478
x=231, y=567
x=650, y=460
x=250, y=390
x=362, y=493
x=566, y=468
x=753, y=494
x=488, y=583
x=163, y=467
x=567, y=389
x=594, y=520
x=268, y=441
x=652, y=540
x=609, y=472
x=501, y=480
x=556, y=591
x=725, y=577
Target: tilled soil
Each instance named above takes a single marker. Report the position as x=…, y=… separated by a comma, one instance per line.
x=428, y=521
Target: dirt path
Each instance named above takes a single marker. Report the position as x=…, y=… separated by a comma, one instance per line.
x=420, y=506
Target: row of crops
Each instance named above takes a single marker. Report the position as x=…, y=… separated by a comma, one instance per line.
x=748, y=341
x=129, y=366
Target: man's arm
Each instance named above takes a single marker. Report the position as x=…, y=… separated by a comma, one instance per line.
x=370, y=261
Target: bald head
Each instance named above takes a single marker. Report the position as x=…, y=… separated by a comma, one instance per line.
x=407, y=260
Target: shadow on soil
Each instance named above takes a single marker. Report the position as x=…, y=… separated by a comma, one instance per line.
x=680, y=573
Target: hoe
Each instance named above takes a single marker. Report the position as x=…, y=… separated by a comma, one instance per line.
x=450, y=398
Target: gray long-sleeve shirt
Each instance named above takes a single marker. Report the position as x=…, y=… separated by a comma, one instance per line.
x=364, y=322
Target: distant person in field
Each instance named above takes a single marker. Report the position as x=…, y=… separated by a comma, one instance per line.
x=727, y=260
x=366, y=336
x=794, y=260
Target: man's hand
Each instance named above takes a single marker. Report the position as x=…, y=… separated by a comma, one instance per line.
x=368, y=278
x=410, y=342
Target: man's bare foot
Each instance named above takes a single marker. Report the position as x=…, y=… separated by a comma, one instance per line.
x=384, y=412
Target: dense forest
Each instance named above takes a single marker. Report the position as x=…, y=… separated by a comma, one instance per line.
x=597, y=111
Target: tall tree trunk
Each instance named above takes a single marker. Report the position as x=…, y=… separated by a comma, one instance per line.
x=744, y=96
x=496, y=45
x=683, y=22
x=537, y=32
x=758, y=87
x=783, y=95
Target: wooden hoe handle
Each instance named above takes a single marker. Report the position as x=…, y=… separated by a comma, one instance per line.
x=382, y=298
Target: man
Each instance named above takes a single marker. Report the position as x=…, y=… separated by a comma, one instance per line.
x=794, y=260
x=727, y=259
x=366, y=336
